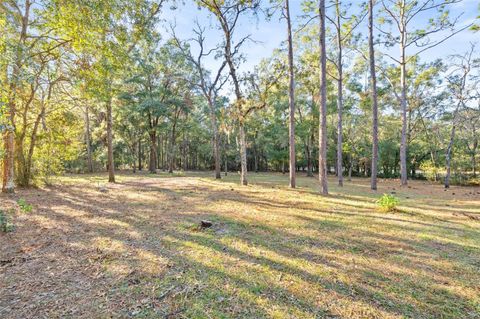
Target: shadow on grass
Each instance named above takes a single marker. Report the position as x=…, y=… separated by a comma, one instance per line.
x=316, y=262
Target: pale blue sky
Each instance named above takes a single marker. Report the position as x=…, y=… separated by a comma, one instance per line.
x=270, y=34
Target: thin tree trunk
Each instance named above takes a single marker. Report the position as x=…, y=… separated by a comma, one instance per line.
x=140, y=166
x=159, y=149
x=350, y=168
x=403, y=97
x=239, y=102
x=291, y=99
x=339, y=99
x=8, y=185
x=308, y=151
x=33, y=140
x=134, y=151
x=152, y=164
x=216, y=141
x=88, y=142
x=474, y=152
x=226, y=165
x=373, y=79
x=474, y=165
x=243, y=155
x=185, y=152
x=111, y=163
x=448, y=156
x=322, y=132
x=171, y=152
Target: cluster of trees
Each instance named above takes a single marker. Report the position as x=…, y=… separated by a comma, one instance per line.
x=87, y=85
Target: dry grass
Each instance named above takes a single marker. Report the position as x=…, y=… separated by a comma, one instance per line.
x=273, y=252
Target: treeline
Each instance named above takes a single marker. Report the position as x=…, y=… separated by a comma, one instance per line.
x=89, y=86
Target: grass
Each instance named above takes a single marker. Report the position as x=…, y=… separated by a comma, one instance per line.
x=273, y=252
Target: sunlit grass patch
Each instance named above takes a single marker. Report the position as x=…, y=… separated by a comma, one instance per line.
x=271, y=252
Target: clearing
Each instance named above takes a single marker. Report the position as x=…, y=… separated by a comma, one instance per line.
x=134, y=249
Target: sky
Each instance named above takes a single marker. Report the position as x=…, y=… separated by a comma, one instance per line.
x=269, y=35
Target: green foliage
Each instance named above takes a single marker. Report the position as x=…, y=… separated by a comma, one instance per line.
x=24, y=206
x=430, y=170
x=112, y=51
x=388, y=203
x=5, y=225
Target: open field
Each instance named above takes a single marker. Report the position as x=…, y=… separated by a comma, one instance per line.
x=136, y=251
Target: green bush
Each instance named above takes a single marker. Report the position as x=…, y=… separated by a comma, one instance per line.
x=388, y=203
x=430, y=171
x=24, y=206
x=5, y=225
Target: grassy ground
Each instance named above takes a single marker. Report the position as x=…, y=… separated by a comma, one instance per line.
x=135, y=250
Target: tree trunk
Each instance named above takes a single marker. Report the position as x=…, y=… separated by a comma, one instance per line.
x=322, y=132
x=88, y=142
x=171, y=152
x=8, y=184
x=27, y=174
x=403, y=97
x=474, y=153
x=134, y=151
x=226, y=165
x=239, y=102
x=152, y=164
x=111, y=163
x=140, y=166
x=308, y=153
x=185, y=153
x=339, y=98
x=373, y=79
x=159, y=149
x=291, y=99
x=350, y=168
x=474, y=165
x=243, y=155
x=448, y=156
x=8, y=162
x=216, y=140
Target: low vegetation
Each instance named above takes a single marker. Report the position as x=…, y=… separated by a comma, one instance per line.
x=388, y=203
x=5, y=224
x=24, y=206
x=138, y=250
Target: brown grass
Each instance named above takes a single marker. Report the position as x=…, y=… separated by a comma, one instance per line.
x=273, y=252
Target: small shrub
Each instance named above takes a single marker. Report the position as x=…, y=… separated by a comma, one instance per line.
x=5, y=225
x=388, y=203
x=24, y=206
x=430, y=171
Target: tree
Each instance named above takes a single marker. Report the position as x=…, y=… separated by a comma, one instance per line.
x=291, y=96
x=210, y=89
x=373, y=88
x=152, y=87
x=402, y=14
x=462, y=86
x=105, y=31
x=322, y=132
x=227, y=13
x=470, y=119
x=21, y=19
x=344, y=27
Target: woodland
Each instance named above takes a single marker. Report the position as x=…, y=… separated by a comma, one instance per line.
x=162, y=159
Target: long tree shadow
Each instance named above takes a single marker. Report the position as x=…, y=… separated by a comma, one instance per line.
x=315, y=263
